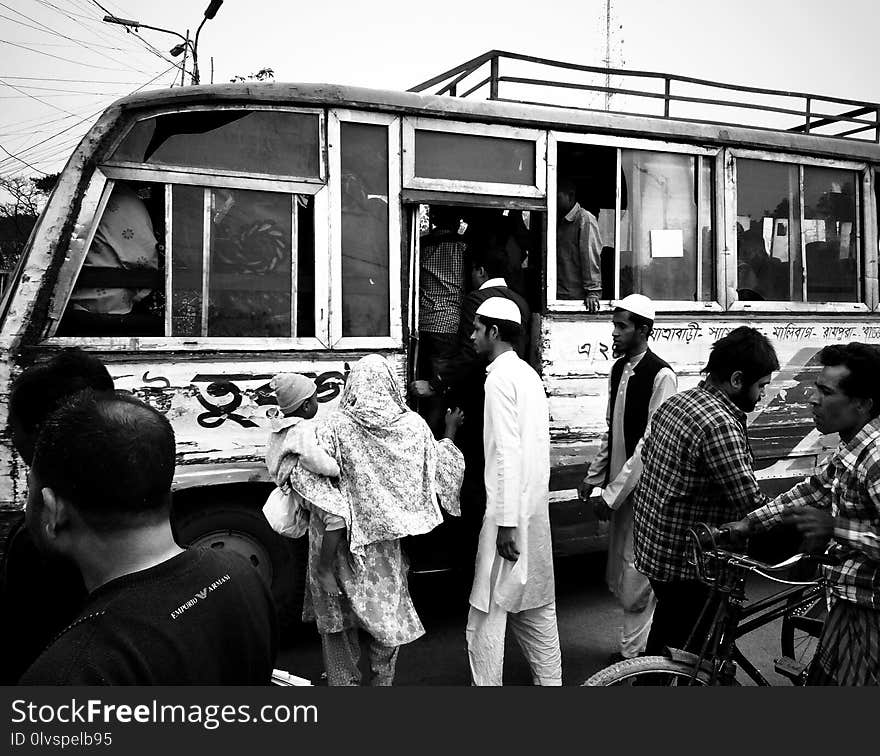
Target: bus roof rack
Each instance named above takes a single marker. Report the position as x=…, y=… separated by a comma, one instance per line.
x=540, y=81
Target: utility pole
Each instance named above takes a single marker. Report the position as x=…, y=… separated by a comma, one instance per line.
x=192, y=46
x=607, y=54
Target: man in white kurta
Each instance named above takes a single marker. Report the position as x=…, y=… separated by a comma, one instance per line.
x=513, y=580
x=617, y=471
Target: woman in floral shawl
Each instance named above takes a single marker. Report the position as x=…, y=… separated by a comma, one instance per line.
x=393, y=473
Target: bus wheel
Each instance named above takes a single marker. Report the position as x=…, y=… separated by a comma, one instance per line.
x=243, y=530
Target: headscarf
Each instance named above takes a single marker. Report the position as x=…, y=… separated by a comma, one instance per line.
x=392, y=469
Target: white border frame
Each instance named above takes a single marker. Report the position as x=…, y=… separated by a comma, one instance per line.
x=495, y=131
x=619, y=143
x=869, y=261
x=334, y=153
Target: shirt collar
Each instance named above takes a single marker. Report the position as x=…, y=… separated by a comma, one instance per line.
x=725, y=400
x=573, y=213
x=631, y=362
x=493, y=282
x=502, y=359
x=848, y=452
x=281, y=422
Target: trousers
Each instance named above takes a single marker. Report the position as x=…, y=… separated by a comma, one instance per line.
x=536, y=633
x=342, y=654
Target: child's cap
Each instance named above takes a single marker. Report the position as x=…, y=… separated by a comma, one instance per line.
x=292, y=389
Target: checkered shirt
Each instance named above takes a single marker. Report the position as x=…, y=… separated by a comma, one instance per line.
x=441, y=283
x=697, y=468
x=848, y=485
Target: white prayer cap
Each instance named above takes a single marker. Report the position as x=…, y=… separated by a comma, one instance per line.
x=500, y=308
x=637, y=304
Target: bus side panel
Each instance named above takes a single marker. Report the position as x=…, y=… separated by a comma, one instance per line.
x=576, y=363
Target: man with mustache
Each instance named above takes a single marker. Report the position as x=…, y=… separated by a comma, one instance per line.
x=837, y=510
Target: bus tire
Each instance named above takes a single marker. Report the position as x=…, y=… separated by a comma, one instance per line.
x=243, y=529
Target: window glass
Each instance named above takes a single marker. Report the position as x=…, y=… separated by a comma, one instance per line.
x=365, y=259
x=658, y=242
x=250, y=278
x=768, y=255
x=707, y=230
x=120, y=288
x=830, y=234
x=187, y=239
x=468, y=157
x=258, y=142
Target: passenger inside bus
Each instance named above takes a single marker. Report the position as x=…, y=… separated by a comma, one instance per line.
x=120, y=288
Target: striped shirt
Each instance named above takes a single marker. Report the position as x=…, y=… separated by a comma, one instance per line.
x=697, y=468
x=847, y=485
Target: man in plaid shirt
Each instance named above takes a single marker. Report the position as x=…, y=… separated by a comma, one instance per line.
x=839, y=507
x=697, y=468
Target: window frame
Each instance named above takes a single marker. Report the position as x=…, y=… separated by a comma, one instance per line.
x=89, y=217
x=866, y=261
x=394, y=339
x=699, y=152
x=412, y=124
x=321, y=179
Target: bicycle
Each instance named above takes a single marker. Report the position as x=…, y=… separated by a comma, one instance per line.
x=801, y=607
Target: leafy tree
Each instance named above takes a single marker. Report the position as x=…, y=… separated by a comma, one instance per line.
x=21, y=201
x=264, y=74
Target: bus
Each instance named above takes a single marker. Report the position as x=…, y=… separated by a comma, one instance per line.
x=202, y=239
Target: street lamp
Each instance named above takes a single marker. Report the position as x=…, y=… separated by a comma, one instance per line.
x=210, y=12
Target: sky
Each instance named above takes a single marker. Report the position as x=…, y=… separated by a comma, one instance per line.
x=60, y=65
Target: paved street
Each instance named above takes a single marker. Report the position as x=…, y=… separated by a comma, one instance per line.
x=587, y=629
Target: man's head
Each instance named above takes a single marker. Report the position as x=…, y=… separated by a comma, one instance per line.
x=103, y=465
x=41, y=389
x=445, y=218
x=497, y=326
x=633, y=320
x=847, y=392
x=741, y=364
x=566, y=191
x=487, y=262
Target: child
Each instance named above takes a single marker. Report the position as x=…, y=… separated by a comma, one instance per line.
x=291, y=441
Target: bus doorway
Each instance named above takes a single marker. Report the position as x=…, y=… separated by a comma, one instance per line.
x=462, y=256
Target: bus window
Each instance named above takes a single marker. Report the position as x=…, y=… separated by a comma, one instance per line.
x=471, y=157
x=266, y=142
x=233, y=272
x=770, y=261
x=365, y=254
x=830, y=234
x=664, y=252
x=589, y=171
x=120, y=289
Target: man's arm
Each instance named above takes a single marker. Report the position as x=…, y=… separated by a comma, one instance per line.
x=617, y=491
x=599, y=466
x=501, y=408
x=727, y=462
x=813, y=491
x=590, y=254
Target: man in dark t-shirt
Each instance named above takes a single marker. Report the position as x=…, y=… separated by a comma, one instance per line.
x=99, y=496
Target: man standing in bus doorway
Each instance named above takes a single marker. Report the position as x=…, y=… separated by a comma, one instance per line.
x=513, y=579
x=838, y=507
x=578, y=249
x=639, y=383
x=697, y=468
x=441, y=289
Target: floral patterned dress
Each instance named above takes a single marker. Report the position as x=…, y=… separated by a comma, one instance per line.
x=393, y=472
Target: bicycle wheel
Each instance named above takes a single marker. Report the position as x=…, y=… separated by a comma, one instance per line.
x=801, y=627
x=649, y=670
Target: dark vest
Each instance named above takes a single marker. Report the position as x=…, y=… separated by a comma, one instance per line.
x=638, y=397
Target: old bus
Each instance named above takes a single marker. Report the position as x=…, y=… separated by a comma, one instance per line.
x=289, y=216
